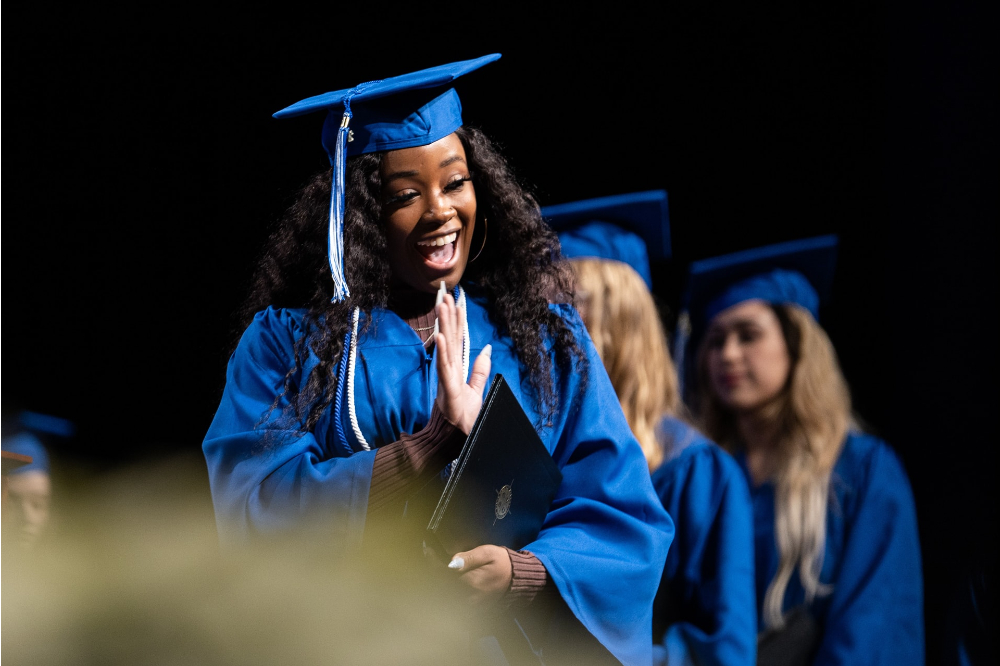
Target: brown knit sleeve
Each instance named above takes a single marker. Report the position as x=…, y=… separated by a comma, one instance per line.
x=402, y=467
x=529, y=580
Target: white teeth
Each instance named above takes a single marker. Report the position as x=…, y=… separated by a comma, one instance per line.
x=441, y=240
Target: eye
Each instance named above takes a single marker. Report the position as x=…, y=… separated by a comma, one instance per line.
x=748, y=335
x=715, y=340
x=456, y=184
x=400, y=198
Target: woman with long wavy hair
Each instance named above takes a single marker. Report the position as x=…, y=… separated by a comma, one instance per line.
x=704, y=608
x=346, y=400
x=836, y=548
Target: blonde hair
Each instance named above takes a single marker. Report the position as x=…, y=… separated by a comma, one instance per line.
x=814, y=415
x=626, y=329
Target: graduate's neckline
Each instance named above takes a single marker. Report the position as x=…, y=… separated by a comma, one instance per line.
x=409, y=303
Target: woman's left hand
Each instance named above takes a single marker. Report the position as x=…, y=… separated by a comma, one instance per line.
x=486, y=570
x=458, y=401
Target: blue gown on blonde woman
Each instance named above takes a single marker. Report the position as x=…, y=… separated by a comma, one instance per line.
x=606, y=535
x=704, y=611
x=874, y=613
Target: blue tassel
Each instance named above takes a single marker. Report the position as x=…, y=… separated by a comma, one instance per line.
x=336, y=234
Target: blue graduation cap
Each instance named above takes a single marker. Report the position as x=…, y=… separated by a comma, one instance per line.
x=26, y=444
x=46, y=423
x=399, y=112
x=798, y=272
x=631, y=228
x=30, y=431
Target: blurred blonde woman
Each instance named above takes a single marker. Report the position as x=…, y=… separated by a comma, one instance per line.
x=704, y=609
x=836, y=549
x=625, y=326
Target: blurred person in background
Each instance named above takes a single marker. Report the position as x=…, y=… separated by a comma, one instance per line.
x=704, y=609
x=27, y=492
x=838, y=567
x=28, y=486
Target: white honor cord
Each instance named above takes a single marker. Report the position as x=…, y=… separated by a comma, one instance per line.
x=352, y=362
x=466, y=339
x=466, y=350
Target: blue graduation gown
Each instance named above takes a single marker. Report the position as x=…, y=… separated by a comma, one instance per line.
x=874, y=615
x=605, y=538
x=707, y=594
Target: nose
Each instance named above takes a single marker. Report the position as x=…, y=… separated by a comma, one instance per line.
x=439, y=209
x=730, y=349
x=34, y=515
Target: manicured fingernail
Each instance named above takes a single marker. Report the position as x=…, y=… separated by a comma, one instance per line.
x=488, y=351
x=441, y=292
x=456, y=563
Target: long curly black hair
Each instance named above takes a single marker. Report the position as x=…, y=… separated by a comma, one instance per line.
x=518, y=270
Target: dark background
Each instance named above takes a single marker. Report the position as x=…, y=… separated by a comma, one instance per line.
x=143, y=172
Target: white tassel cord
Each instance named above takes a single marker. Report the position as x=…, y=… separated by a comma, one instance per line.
x=466, y=338
x=351, y=364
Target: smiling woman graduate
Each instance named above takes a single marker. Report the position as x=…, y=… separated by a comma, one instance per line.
x=837, y=557
x=343, y=399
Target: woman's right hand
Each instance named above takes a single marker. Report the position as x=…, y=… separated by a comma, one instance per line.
x=458, y=401
x=486, y=570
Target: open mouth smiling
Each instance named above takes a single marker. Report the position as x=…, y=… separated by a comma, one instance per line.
x=438, y=251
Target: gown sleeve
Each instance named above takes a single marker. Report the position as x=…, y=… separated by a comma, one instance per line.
x=606, y=536
x=707, y=596
x=288, y=480
x=876, y=610
x=403, y=466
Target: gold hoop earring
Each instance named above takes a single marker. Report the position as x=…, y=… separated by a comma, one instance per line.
x=486, y=228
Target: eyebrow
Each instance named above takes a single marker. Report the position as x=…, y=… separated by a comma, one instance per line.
x=452, y=160
x=399, y=174
x=413, y=174
x=739, y=323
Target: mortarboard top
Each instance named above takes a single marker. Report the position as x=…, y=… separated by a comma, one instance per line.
x=26, y=446
x=46, y=423
x=399, y=112
x=405, y=111
x=631, y=228
x=799, y=272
